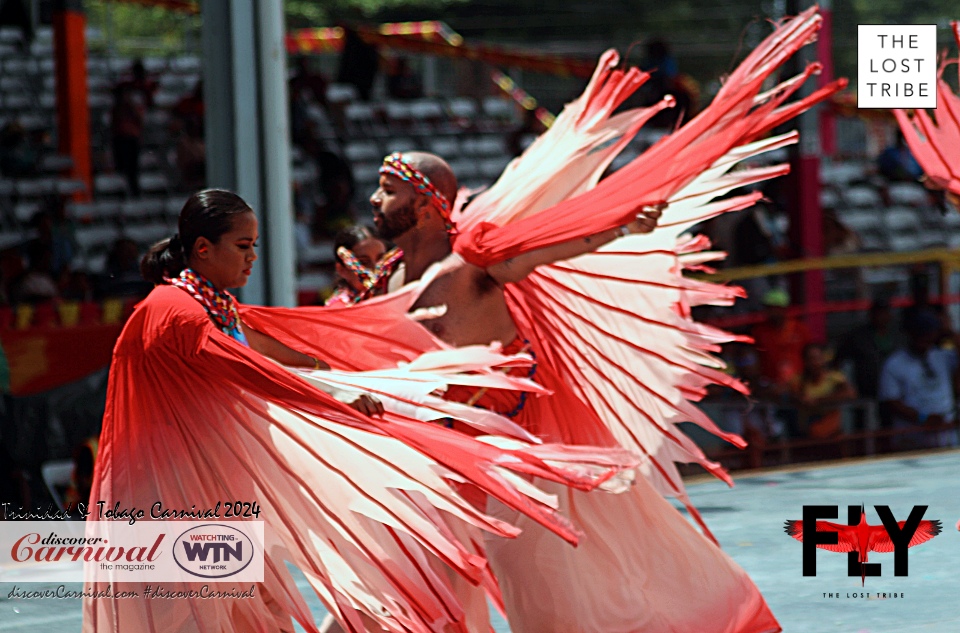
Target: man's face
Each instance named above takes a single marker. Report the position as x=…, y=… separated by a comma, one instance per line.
x=394, y=207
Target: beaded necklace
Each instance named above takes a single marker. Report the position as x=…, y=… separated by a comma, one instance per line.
x=221, y=306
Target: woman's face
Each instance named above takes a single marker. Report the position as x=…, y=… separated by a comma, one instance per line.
x=229, y=262
x=368, y=252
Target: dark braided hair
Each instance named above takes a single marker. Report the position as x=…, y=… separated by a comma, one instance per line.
x=350, y=237
x=209, y=213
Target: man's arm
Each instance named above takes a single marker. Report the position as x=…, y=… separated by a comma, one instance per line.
x=517, y=268
x=891, y=393
x=897, y=408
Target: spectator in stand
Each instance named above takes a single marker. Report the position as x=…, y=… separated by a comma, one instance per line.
x=920, y=279
x=359, y=63
x=780, y=341
x=81, y=480
x=306, y=88
x=403, y=82
x=761, y=232
x=868, y=346
x=305, y=83
x=61, y=246
x=662, y=66
x=819, y=390
x=192, y=156
x=686, y=90
x=757, y=238
x=37, y=284
x=189, y=110
x=336, y=209
x=19, y=158
x=77, y=287
x=56, y=229
x=838, y=238
x=917, y=384
x=896, y=163
x=665, y=79
x=756, y=425
x=131, y=99
x=11, y=269
x=122, y=277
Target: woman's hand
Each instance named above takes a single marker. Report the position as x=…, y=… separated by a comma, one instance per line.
x=362, y=402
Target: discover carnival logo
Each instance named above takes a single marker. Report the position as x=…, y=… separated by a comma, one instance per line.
x=118, y=551
x=213, y=551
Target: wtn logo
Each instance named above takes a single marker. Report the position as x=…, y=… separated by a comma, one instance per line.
x=858, y=538
x=201, y=550
x=214, y=551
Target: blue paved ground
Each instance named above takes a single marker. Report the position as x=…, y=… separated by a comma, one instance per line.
x=748, y=520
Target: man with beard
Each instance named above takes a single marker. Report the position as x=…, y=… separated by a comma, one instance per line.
x=639, y=556
x=609, y=328
x=412, y=208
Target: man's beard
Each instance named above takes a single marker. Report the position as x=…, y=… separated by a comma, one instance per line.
x=397, y=222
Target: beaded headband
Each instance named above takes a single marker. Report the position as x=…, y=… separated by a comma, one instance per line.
x=397, y=166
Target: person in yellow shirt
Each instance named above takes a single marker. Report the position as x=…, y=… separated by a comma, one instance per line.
x=819, y=390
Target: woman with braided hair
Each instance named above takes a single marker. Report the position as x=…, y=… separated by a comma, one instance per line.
x=362, y=263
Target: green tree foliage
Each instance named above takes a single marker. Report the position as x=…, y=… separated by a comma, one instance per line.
x=708, y=37
x=132, y=29
x=309, y=13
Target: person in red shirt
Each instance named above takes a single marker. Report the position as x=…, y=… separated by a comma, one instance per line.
x=131, y=99
x=780, y=341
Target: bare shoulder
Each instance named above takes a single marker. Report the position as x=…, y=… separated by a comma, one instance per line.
x=470, y=275
x=456, y=265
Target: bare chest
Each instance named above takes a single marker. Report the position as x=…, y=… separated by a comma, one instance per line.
x=475, y=309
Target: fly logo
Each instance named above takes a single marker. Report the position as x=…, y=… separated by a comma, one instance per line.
x=213, y=551
x=858, y=538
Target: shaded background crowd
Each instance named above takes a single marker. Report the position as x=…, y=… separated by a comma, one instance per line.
x=869, y=367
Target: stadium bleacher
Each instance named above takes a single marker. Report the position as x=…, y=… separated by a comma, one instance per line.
x=470, y=133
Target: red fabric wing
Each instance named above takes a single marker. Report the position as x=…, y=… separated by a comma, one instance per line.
x=925, y=531
x=846, y=538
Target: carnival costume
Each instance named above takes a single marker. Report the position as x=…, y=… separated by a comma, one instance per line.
x=616, y=345
x=365, y=507
x=936, y=143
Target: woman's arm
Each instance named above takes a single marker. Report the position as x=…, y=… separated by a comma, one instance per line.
x=272, y=348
